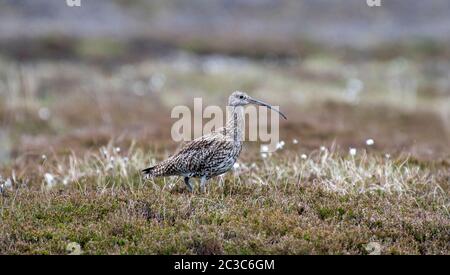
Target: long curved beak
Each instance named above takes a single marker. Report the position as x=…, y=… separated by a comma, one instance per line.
x=259, y=102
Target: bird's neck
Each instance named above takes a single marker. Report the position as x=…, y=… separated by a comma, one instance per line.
x=234, y=128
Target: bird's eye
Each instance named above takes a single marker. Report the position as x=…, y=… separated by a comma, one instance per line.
x=241, y=97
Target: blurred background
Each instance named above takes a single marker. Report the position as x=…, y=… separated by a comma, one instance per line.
x=75, y=78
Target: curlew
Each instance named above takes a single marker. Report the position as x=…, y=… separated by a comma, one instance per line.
x=212, y=154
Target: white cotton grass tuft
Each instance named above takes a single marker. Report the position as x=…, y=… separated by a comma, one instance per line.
x=354, y=89
x=8, y=184
x=157, y=81
x=264, y=148
x=44, y=113
x=65, y=181
x=323, y=148
x=280, y=145
x=370, y=142
x=49, y=180
x=352, y=151
x=264, y=155
x=295, y=141
x=303, y=156
x=74, y=248
x=236, y=165
x=5, y=185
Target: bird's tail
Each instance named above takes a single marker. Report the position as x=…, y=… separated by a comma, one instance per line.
x=158, y=170
x=148, y=171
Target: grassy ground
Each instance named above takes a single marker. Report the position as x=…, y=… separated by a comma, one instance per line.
x=64, y=180
x=283, y=204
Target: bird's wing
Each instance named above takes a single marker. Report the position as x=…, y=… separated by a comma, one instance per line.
x=202, y=153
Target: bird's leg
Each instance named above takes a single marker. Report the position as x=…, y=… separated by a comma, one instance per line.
x=202, y=184
x=188, y=184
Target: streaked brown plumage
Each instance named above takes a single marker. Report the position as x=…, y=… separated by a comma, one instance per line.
x=212, y=154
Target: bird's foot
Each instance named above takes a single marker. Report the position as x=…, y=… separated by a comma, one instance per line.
x=188, y=184
x=203, y=185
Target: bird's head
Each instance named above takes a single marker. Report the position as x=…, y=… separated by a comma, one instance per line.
x=239, y=98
